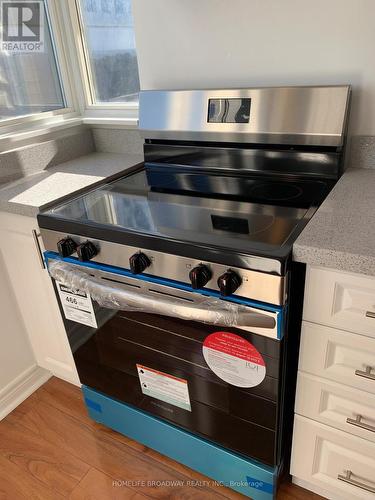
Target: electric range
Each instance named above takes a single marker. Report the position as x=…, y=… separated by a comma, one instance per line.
x=176, y=284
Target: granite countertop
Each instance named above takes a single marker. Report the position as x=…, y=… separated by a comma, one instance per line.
x=341, y=233
x=27, y=196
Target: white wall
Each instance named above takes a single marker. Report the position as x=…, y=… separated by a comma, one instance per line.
x=234, y=43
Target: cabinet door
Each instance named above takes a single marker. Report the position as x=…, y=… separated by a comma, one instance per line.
x=343, y=357
x=332, y=460
x=341, y=300
x=35, y=296
x=336, y=405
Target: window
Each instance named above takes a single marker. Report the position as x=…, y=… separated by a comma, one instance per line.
x=30, y=82
x=111, y=60
x=87, y=71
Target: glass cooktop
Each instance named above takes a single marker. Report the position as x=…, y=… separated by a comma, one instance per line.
x=232, y=212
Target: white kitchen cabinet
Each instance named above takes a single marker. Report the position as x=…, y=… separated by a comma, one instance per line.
x=334, y=427
x=35, y=296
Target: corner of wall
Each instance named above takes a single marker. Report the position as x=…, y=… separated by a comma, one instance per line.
x=124, y=140
x=361, y=151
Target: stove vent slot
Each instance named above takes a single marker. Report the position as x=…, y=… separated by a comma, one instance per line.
x=178, y=297
x=132, y=285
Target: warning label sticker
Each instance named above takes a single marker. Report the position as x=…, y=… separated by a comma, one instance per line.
x=234, y=359
x=77, y=305
x=165, y=387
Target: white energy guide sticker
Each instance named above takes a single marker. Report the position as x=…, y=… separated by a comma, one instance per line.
x=77, y=305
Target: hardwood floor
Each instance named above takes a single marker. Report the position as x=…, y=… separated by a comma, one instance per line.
x=50, y=449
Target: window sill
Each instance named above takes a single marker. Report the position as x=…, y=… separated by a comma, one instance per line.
x=37, y=129
x=129, y=123
x=34, y=132
x=112, y=116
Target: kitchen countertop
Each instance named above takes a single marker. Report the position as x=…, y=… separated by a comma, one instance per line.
x=27, y=196
x=341, y=233
x=339, y=236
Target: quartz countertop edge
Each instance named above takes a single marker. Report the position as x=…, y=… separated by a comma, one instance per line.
x=341, y=233
x=31, y=194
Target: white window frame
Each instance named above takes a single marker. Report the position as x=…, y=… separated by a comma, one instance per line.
x=104, y=114
x=74, y=76
x=23, y=127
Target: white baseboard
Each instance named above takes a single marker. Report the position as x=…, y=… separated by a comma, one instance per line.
x=21, y=388
x=62, y=370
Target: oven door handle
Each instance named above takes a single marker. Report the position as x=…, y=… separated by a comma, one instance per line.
x=200, y=308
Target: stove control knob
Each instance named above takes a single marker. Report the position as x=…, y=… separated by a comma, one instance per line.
x=66, y=247
x=139, y=262
x=228, y=282
x=200, y=276
x=86, y=251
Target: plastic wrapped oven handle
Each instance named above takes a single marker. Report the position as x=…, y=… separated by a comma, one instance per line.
x=205, y=310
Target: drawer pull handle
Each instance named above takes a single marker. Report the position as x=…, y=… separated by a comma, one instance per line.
x=370, y=314
x=358, y=423
x=347, y=478
x=366, y=373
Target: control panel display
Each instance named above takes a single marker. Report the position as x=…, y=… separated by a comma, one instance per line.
x=236, y=110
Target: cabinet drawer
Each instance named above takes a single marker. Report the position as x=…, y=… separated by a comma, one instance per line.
x=340, y=300
x=321, y=454
x=340, y=356
x=333, y=404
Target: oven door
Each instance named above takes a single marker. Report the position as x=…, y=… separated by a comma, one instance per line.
x=208, y=365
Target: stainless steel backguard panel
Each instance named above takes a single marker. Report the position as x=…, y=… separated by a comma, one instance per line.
x=278, y=115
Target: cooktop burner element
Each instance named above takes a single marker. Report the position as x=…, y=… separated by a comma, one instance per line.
x=276, y=191
x=256, y=188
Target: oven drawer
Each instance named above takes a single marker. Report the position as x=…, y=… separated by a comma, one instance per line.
x=340, y=300
x=336, y=405
x=340, y=356
x=335, y=461
x=203, y=456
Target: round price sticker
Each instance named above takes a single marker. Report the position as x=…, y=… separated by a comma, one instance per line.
x=234, y=359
